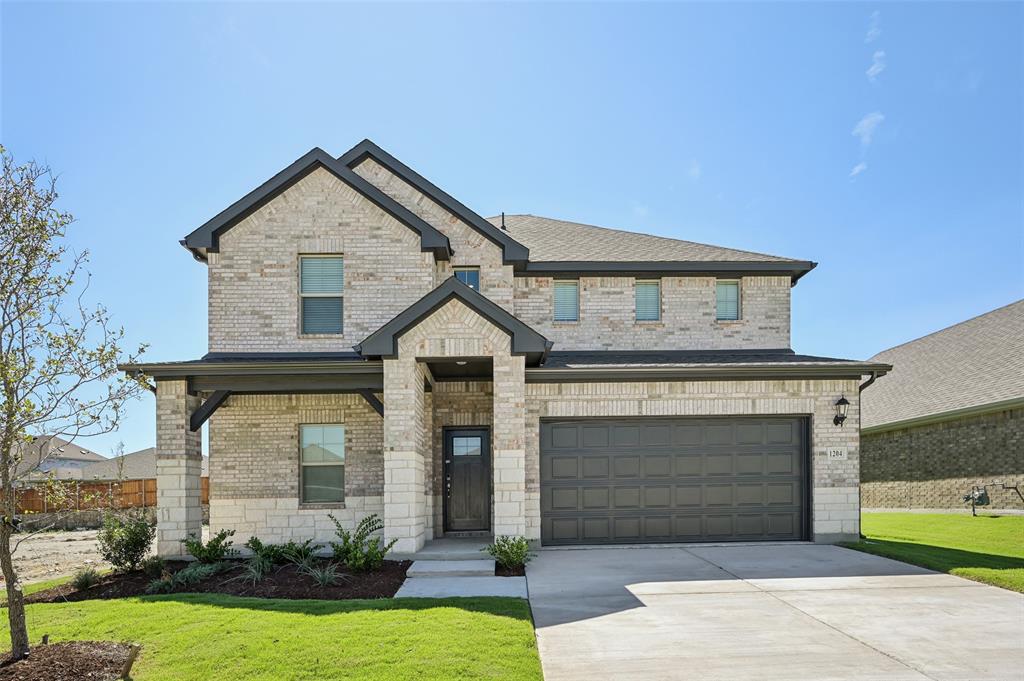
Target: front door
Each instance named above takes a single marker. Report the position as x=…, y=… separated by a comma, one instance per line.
x=467, y=465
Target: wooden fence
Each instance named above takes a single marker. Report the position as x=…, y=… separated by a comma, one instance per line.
x=82, y=496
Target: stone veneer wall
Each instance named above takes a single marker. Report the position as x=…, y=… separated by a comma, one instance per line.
x=608, y=314
x=932, y=466
x=254, y=465
x=835, y=511
x=253, y=280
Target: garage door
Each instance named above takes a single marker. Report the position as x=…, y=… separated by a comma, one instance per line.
x=672, y=480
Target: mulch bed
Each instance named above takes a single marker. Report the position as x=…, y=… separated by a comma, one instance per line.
x=500, y=571
x=284, y=581
x=70, y=661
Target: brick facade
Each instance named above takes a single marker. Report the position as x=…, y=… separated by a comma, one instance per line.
x=932, y=466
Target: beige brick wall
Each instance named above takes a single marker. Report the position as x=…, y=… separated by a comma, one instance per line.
x=253, y=280
x=254, y=465
x=835, y=511
x=608, y=314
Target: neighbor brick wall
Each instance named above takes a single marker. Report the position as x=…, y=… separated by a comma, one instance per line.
x=932, y=466
x=835, y=513
x=254, y=465
x=608, y=315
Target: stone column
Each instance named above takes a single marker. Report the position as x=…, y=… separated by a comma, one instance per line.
x=508, y=446
x=405, y=450
x=179, y=464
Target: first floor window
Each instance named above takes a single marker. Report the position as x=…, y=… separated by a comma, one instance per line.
x=648, y=301
x=470, y=276
x=567, y=301
x=727, y=300
x=321, y=290
x=323, y=463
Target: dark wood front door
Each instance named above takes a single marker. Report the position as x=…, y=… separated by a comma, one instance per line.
x=467, y=466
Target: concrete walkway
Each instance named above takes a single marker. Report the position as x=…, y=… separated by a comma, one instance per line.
x=793, y=612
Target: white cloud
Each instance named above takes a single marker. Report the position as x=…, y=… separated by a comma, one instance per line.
x=695, y=170
x=865, y=128
x=858, y=169
x=877, y=65
x=874, y=27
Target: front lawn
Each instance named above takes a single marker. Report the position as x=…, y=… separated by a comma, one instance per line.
x=986, y=549
x=212, y=636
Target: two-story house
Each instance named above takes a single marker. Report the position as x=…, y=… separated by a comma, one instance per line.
x=375, y=346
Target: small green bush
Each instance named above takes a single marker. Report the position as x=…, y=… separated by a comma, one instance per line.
x=85, y=578
x=213, y=551
x=326, y=575
x=186, y=577
x=272, y=552
x=153, y=566
x=510, y=552
x=357, y=550
x=300, y=554
x=125, y=540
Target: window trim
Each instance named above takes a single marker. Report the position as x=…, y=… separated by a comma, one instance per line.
x=739, y=300
x=468, y=268
x=302, y=468
x=340, y=295
x=636, y=300
x=554, y=313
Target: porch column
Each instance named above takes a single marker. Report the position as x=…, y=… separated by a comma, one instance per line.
x=405, y=450
x=179, y=464
x=508, y=445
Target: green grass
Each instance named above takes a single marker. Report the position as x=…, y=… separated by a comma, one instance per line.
x=986, y=549
x=204, y=636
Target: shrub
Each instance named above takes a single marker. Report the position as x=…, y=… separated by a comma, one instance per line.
x=271, y=552
x=153, y=566
x=326, y=575
x=213, y=551
x=300, y=554
x=510, y=552
x=86, y=577
x=125, y=540
x=357, y=550
x=256, y=569
x=186, y=577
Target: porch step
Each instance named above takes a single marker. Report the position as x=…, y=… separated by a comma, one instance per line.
x=451, y=568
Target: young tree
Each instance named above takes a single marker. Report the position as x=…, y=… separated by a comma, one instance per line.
x=58, y=356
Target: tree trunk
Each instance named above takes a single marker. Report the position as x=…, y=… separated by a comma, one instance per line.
x=15, y=597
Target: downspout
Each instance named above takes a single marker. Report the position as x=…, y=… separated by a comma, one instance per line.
x=865, y=384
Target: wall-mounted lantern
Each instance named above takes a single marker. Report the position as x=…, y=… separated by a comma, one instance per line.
x=842, y=404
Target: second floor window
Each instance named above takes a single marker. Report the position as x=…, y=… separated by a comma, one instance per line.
x=727, y=300
x=321, y=289
x=648, y=301
x=470, y=276
x=567, y=301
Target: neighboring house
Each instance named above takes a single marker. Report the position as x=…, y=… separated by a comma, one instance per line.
x=375, y=346
x=949, y=417
x=140, y=465
x=49, y=456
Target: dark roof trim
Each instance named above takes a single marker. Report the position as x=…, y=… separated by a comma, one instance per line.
x=201, y=367
x=525, y=341
x=512, y=251
x=624, y=268
x=582, y=359
x=207, y=238
x=706, y=373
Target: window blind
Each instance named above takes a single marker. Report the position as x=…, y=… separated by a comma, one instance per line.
x=728, y=299
x=322, y=315
x=567, y=301
x=648, y=301
x=323, y=275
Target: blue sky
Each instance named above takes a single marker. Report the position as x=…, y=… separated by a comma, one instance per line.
x=884, y=141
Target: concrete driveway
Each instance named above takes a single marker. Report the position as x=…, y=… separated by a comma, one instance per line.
x=790, y=612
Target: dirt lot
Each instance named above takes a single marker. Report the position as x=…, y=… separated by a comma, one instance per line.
x=54, y=554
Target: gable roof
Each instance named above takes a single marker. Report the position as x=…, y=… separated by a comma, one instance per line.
x=525, y=341
x=207, y=237
x=970, y=367
x=52, y=452
x=559, y=245
x=131, y=466
x=512, y=251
